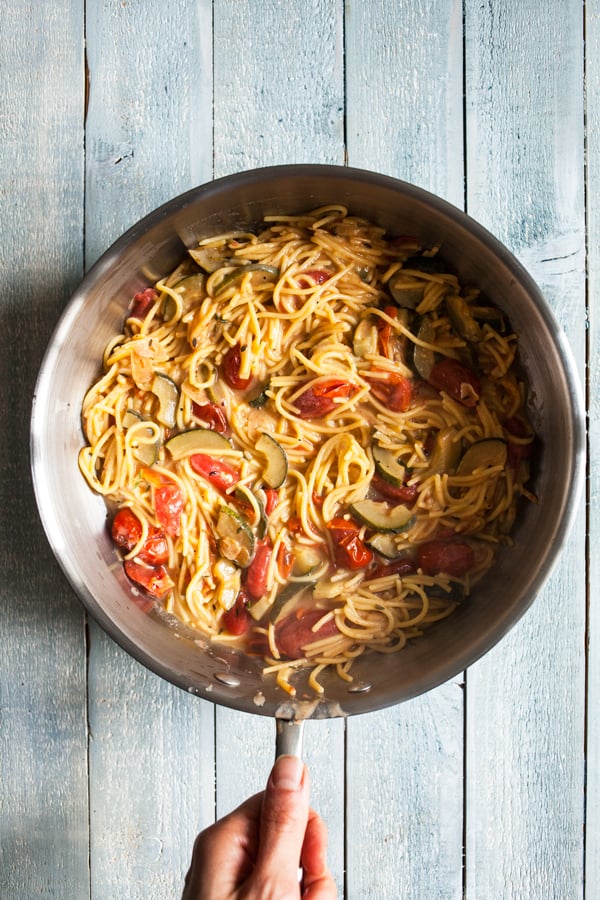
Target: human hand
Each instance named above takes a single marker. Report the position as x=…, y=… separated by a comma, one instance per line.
x=254, y=852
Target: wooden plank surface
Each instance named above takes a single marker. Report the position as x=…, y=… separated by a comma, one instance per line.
x=526, y=699
x=405, y=764
x=179, y=94
x=151, y=745
x=43, y=730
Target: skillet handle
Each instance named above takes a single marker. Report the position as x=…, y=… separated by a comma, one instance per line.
x=289, y=737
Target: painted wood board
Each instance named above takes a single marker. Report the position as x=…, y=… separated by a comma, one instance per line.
x=592, y=817
x=151, y=746
x=526, y=699
x=43, y=731
x=405, y=764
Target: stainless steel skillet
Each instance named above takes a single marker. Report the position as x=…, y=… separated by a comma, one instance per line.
x=75, y=519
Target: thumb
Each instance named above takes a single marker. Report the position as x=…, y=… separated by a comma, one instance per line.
x=283, y=818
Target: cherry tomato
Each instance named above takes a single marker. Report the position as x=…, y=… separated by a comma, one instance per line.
x=457, y=380
x=400, y=567
x=236, y=620
x=168, y=504
x=406, y=493
x=220, y=474
x=295, y=631
x=256, y=573
x=450, y=557
x=271, y=500
x=126, y=529
x=320, y=399
x=230, y=368
x=285, y=560
x=155, y=580
x=395, y=392
x=313, y=276
x=212, y=415
x=350, y=551
x=142, y=302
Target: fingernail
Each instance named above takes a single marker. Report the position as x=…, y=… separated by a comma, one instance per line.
x=287, y=773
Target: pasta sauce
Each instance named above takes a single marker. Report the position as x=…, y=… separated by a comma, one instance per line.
x=312, y=440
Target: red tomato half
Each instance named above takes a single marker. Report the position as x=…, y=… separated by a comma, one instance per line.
x=220, y=475
x=236, y=620
x=398, y=567
x=256, y=573
x=450, y=557
x=155, y=580
x=168, y=504
x=406, y=493
x=320, y=399
x=350, y=551
x=212, y=415
x=395, y=392
x=127, y=531
x=142, y=302
x=295, y=631
x=459, y=382
x=230, y=368
x=313, y=276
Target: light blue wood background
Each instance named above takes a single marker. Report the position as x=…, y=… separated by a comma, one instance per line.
x=487, y=787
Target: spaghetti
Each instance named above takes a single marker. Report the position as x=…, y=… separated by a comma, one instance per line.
x=312, y=440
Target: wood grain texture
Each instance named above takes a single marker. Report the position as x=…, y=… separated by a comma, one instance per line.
x=405, y=765
x=526, y=699
x=592, y=832
x=43, y=731
x=152, y=746
x=280, y=102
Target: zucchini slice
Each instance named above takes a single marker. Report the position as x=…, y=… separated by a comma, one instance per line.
x=211, y=258
x=286, y=599
x=385, y=545
x=235, y=537
x=167, y=393
x=423, y=359
x=382, y=517
x=446, y=453
x=387, y=465
x=306, y=559
x=407, y=292
x=197, y=440
x=144, y=451
x=462, y=319
x=276, y=469
x=264, y=275
x=483, y=455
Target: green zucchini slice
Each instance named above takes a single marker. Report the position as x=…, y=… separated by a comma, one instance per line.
x=382, y=517
x=423, y=359
x=144, y=451
x=235, y=537
x=483, y=455
x=229, y=582
x=196, y=440
x=275, y=471
x=167, y=393
x=462, y=319
x=264, y=275
x=388, y=466
x=446, y=453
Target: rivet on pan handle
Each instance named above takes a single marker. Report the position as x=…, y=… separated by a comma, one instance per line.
x=289, y=737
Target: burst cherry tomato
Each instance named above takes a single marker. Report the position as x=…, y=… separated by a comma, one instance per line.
x=168, y=504
x=142, y=302
x=295, y=631
x=457, y=380
x=237, y=619
x=313, y=276
x=271, y=500
x=127, y=531
x=230, y=368
x=406, y=493
x=256, y=573
x=400, y=567
x=212, y=415
x=320, y=399
x=350, y=551
x=155, y=580
x=395, y=392
x=450, y=557
x=285, y=560
x=220, y=474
